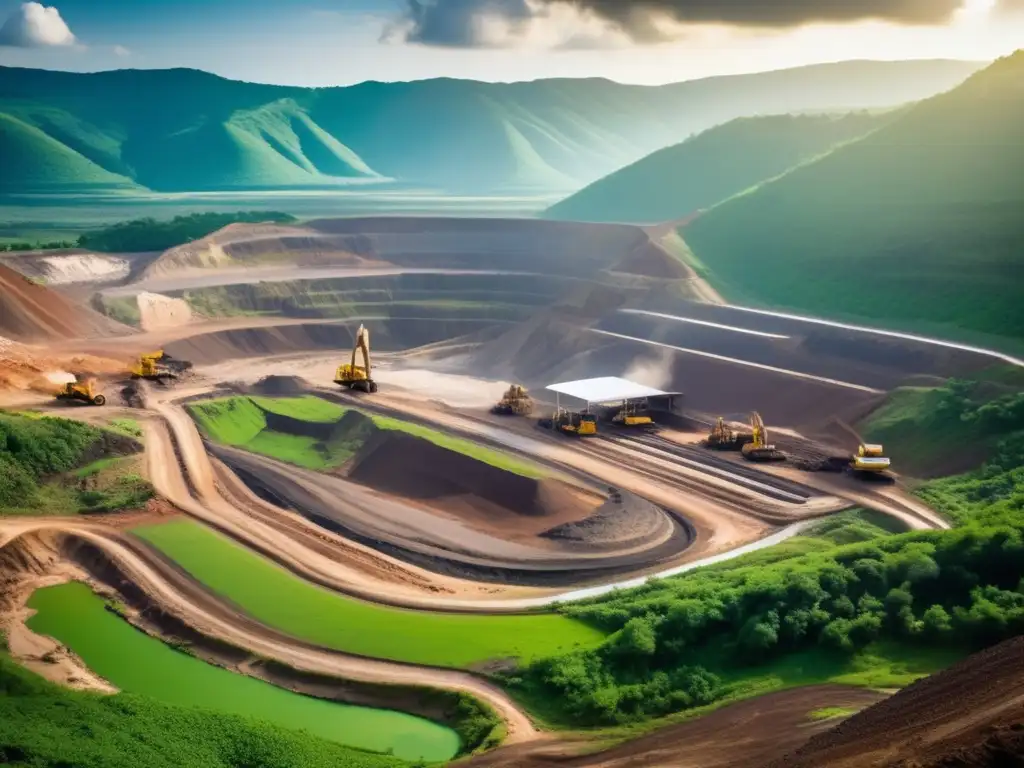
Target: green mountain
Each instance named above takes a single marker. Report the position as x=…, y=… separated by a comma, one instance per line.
x=185, y=130
x=918, y=224
x=680, y=180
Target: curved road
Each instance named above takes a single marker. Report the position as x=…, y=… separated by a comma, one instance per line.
x=201, y=610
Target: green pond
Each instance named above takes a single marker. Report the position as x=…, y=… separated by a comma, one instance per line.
x=138, y=663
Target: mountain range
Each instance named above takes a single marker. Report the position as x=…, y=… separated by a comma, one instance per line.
x=186, y=130
x=917, y=224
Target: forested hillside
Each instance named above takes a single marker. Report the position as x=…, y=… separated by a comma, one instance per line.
x=917, y=225
x=680, y=180
x=186, y=130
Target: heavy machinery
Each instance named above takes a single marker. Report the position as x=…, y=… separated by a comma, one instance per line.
x=723, y=438
x=357, y=377
x=82, y=391
x=572, y=423
x=870, y=458
x=158, y=366
x=759, y=449
x=515, y=402
x=632, y=415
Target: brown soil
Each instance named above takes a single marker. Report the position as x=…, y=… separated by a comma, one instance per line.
x=166, y=602
x=651, y=260
x=31, y=312
x=256, y=245
x=470, y=490
x=971, y=714
x=289, y=338
x=742, y=735
x=25, y=367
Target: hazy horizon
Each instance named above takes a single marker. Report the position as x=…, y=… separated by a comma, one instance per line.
x=320, y=43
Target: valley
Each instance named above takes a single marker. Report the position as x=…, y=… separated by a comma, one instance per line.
x=550, y=472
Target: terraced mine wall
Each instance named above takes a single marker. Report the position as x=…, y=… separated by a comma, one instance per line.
x=389, y=335
x=502, y=297
x=545, y=247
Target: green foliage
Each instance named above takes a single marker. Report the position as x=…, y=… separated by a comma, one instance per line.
x=46, y=726
x=128, y=427
x=34, y=449
x=676, y=641
x=241, y=421
x=950, y=428
x=38, y=245
x=152, y=235
x=281, y=600
x=40, y=470
x=708, y=168
x=185, y=130
x=916, y=225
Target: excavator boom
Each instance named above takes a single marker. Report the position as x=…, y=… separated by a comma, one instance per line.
x=355, y=376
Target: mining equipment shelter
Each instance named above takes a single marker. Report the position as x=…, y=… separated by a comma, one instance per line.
x=612, y=390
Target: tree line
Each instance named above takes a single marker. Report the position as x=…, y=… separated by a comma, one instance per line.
x=673, y=638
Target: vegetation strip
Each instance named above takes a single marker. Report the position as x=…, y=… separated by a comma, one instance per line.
x=137, y=663
x=242, y=421
x=285, y=602
x=43, y=724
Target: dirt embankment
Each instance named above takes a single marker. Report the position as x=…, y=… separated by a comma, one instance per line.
x=743, y=735
x=971, y=714
x=254, y=245
x=31, y=312
x=388, y=335
x=165, y=602
x=484, y=496
x=24, y=367
x=72, y=266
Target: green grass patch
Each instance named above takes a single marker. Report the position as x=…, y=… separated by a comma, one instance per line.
x=300, y=450
x=474, y=450
x=305, y=408
x=830, y=713
x=281, y=600
x=229, y=420
x=914, y=226
x=44, y=725
x=242, y=422
x=129, y=427
x=138, y=663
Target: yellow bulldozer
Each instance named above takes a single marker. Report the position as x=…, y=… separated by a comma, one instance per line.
x=572, y=423
x=870, y=458
x=357, y=377
x=759, y=449
x=83, y=392
x=158, y=366
x=633, y=415
x=515, y=402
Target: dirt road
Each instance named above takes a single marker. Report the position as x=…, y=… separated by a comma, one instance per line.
x=172, y=591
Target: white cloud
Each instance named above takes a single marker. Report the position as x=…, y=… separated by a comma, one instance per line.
x=120, y=50
x=33, y=25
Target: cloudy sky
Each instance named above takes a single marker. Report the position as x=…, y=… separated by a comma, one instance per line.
x=337, y=42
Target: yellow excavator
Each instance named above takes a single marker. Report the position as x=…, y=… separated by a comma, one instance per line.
x=82, y=391
x=357, y=377
x=572, y=423
x=158, y=366
x=759, y=449
x=515, y=402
